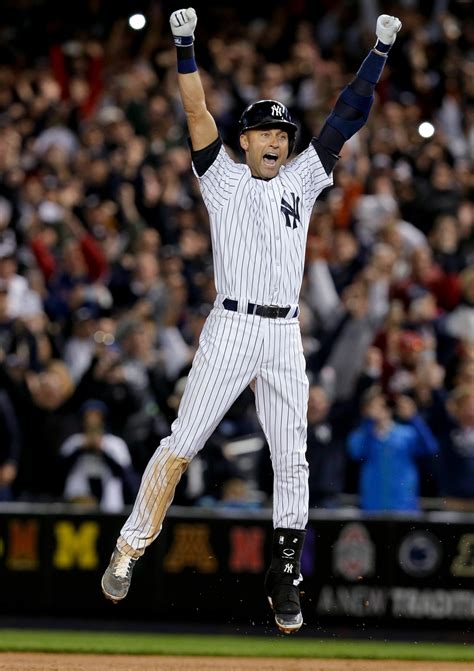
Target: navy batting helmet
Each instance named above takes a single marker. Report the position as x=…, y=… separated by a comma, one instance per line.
x=269, y=114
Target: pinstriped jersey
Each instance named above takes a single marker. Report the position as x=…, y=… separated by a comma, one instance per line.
x=259, y=227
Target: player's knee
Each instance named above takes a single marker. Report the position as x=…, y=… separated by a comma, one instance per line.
x=291, y=464
x=176, y=450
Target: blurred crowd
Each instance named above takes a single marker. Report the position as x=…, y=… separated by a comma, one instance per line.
x=106, y=271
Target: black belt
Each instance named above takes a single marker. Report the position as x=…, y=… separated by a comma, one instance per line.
x=270, y=311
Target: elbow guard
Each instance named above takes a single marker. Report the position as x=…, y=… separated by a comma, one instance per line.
x=353, y=105
x=350, y=112
x=348, y=116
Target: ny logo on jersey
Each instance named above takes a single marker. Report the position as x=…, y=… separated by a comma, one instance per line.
x=288, y=568
x=277, y=110
x=291, y=210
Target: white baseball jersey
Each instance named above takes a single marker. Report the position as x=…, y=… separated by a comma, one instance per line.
x=259, y=230
x=259, y=227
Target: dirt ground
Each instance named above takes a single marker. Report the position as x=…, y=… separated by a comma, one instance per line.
x=55, y=662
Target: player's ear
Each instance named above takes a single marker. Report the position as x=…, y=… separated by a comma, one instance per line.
x=244, y=141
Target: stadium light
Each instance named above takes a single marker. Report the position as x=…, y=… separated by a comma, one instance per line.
x=426, y=129
x=137, y=21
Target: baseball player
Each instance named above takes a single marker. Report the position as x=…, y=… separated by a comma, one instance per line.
x=259, y=215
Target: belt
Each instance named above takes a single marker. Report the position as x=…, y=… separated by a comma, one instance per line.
x=270, y=311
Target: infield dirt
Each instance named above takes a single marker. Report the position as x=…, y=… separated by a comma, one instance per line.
x=56, y=662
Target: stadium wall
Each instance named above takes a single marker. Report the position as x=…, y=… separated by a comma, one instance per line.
x=208, y=566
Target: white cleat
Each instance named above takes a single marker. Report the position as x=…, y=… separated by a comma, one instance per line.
x=117, y=577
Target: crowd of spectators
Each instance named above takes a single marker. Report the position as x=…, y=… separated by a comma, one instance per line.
x=106, y=266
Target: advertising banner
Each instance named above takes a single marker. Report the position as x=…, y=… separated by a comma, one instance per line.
x=206, y=567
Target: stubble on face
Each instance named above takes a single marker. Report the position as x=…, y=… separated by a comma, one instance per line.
x=266, y=151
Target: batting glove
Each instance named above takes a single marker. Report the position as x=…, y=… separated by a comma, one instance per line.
x=183, y=24
x=387, y=28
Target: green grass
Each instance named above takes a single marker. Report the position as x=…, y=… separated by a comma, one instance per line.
x=244, y=646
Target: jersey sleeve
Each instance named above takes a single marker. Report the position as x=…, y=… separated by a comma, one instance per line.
x=204, y=158
x=219, y=180
x=309, y=168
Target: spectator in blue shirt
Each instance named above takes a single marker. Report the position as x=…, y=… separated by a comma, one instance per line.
x=388, y=451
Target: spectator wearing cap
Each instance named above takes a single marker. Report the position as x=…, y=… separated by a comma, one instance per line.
x=96, y=465
x=387, y=452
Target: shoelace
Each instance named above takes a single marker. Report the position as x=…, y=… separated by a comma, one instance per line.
x=123, y=566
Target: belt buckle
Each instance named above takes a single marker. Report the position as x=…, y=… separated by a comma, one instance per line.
x=274, y=311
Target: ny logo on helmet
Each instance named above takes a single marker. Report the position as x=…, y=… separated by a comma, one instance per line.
x=291, y=210
x=277, y=110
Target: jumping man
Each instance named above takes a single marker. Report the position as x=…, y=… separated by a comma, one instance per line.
x=259, y=215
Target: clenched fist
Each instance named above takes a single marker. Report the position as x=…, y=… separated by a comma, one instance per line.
x=183, y=24
x=387, y=28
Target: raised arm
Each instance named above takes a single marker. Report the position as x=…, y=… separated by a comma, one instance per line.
x=352, y=108
x=201, y=125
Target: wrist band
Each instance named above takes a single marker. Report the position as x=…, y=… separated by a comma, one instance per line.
x=381, y=48
x=183, y=40
x=185, y=53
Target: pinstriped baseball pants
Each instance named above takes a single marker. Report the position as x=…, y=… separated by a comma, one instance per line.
x=234, y=349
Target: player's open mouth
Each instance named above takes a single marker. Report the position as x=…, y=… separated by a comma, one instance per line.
x=270, y=159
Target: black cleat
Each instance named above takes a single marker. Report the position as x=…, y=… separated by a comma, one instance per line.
x=283, y=578
x=284, y=598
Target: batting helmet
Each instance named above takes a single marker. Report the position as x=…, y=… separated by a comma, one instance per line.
x=269, y=114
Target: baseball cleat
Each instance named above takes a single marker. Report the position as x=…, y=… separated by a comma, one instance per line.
x=283, y=578
x=287, y=623
x=117, y=577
